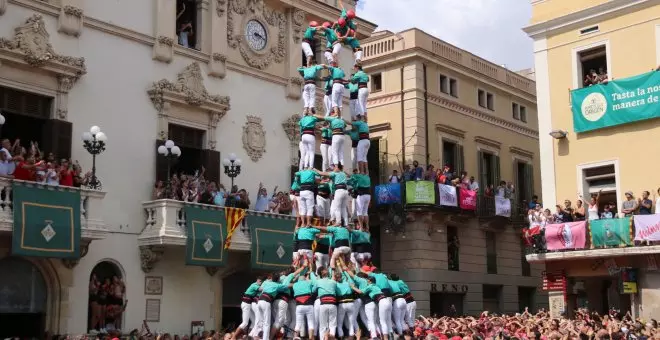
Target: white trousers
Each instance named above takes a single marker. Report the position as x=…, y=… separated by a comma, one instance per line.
x=327, y=102
x=322, y=206
x=363, y=205
x=306, y=203
x=336, y=49
x=309, y=95
x=304, y=317
x=302, y=149
x=358, y=258
x=354, y=107
x=280, y=310
x=345, y=313
x=354, y=158
x=338, y=206
x=307, y=49
x=358, y=55
x=411, y=310
x=309, y=149
x=363, y=94
x=370, y=310
x=338, y=252
x=291, y=314
x=263, y=318
x=353, y=211
x=362, y=150
x=337, y=95
x=328, y=320
x=246, y=315
x=399, y=310
x=357, y=306
x=385, y=315
x=328, y=57
x=325, y=150
x=321, y=259
x=317, y=313
x=258, y=325
x=337, y=149
x=305, y=253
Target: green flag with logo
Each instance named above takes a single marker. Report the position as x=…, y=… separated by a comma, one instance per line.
x=46, y=221
x=206, y=235
x=618, y=102
x=272, y=241
x=610, y=232
x=420, y=192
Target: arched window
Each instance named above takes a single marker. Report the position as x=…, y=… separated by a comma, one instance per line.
x=106, y=297
x=23, y=298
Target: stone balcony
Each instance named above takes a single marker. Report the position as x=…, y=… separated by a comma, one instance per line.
x=91, y=221
x=165, y=225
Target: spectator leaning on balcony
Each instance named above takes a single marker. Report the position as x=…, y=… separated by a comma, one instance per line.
x=593, y=206
x=395, y=178
x=409, y=174
x=629, y=205
x=505, y=189
x=262, y=198
x=645, y=204
x=534, y=202
x=579, y=211
x=418, y=171
x=474, y=185
x=430, y=173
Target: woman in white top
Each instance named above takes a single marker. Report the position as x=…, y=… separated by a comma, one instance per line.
x=593, y=206
x=52, y=177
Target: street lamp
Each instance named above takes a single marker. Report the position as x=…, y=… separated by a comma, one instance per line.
x=94, y=143
x=558, y=134
x=2, y=120
x=232, y=167
x=170, y=152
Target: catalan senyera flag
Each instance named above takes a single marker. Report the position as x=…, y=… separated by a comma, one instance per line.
x=234, y=218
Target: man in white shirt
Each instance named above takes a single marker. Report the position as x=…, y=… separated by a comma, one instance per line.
x=8, y=165
x=262, y=199
x=4, y=165
x=395, y=177
x=474, y=185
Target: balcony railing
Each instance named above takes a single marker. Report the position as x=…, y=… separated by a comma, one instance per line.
x=91, y=221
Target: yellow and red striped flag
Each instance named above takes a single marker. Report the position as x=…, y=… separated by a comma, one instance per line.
x=234, y=217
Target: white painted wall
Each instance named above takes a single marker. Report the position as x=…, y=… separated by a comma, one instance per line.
x=113, y=96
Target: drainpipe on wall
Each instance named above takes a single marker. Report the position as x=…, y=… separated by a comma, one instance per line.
x=426, y=118
x=403, y=128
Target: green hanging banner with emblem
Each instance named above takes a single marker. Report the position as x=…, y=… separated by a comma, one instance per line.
x=272, y=241
x=206, y=236
x=611, y=232
x=46, y=221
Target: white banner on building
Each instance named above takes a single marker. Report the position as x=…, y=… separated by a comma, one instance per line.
x=647, y=227
x=448, y=195
x=502, y=206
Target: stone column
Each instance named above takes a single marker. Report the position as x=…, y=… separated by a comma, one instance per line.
x=203, y=34
x=295, y=29
x=218, y=15
x=165, y=30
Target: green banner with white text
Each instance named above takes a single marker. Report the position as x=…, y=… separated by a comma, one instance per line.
x=272, y=241
x=610, y=232
x=46, y=221
x=618, y=102
x=420, y=192
x=206, y=236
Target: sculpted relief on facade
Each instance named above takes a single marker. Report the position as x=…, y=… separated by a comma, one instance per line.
x=239, y=13
x=254, y=138
x=189, y=92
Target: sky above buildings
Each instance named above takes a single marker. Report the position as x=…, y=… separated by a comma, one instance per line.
x=491, y=29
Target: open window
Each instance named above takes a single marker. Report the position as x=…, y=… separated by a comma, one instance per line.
x=592, y=66
x=486, y=99
x=376, y=82
x=603, y=179
x=452, y=155
x=187, y=24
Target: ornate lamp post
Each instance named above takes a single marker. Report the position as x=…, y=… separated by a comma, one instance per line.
x=232, y=167
x=2, y=120
x=170, y=152
x=94, y=143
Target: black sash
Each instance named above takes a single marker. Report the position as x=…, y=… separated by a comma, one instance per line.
x=322, y=248
x=305, y=244
x=308, y=187
x=308, y=132
x=353, y=95
x=363, y=191
x=337, y=132
x=409, y=298
x=307, y=81
x=340, y=186
x=266, y=297
x=247, y=299
x=341, y=243
x=326, y=141
x=362, y=85
x=354, y=143
x=363, y=135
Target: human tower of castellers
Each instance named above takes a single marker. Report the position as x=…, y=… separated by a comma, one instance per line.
x=331, y=281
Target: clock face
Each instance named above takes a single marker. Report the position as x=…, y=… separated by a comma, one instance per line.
x=257, y=36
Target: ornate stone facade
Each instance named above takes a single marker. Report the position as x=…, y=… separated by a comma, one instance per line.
x=254, y=138
x=298, y=25
x=256, y=9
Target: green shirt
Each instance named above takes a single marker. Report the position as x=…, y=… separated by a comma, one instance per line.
x=326, y=133
x=309, y=33
x=295, y=186
x=381, y=280
x=403, y=287
x=253, y=290
x=396, y=289
x=325, y=287
x=307, y=176
x=272, y=289
x=336, y=123
x=328, y=84
x=359, y=236
x=352, y=87
x=344, y=289
x=336, y=73
x=302, y=287
x=309, y=73
x=339, y=233
x=355, y=135
x=362, y=181
x=330, y=35
x=360, y=77
x=308, y=123
x=325, y=240
x=371, y=290
x=361, y=126
x=349, y=22
x=360, y=282
x=352, y=42
x=307, y=234
x=338, y=177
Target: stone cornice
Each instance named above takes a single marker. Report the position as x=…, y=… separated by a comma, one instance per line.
x=380, y=127
x=450, y=130
x=600, y=12
x=521, y=152
x=488, y=142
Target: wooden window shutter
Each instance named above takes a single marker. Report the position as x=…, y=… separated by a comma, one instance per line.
x=211, y=163
x=529, y=173
x=483, y=174
x=382, y=162
x=459, y=162
x=57, y=137
x=496, y=170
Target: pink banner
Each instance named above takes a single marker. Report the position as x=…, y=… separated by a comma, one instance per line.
x=566, y=235
x=468, y=199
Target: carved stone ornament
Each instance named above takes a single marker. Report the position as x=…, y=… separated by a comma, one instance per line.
x=292, y=128
x=71, y=263
x=254, y=138
x=167, y=41
x=218, y=65
x=256, y=9
x=75, y=11
x=31, y=43
x=149, y=256
x=220, y=7
x=212, y=270
x=298, y=18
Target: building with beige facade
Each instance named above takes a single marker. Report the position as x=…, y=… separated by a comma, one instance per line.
x=584, y=152
x=217, y=77
x=434, y=103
